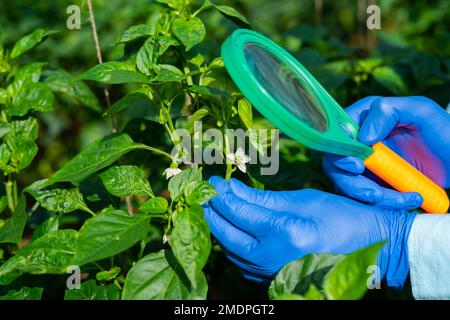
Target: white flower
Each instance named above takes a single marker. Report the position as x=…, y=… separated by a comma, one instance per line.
x=165, y=238
x=170, y=172
x=239, y=159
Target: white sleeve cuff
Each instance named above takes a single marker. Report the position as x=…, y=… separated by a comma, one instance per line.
x=429, y=256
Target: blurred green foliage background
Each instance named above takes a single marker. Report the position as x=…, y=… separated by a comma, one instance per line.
x=410, y=55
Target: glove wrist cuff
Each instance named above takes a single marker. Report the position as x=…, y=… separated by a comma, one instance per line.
x=397, y=261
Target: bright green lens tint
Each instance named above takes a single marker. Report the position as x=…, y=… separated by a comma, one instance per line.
x=276, y=77
x=286, y=94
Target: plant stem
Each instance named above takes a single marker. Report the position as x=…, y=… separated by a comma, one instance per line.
x=98, y=266
x=161, y=216
x=170, y=122
x=226, y=149
x=170, y=128
x=9, y=195
x=157, y=151
x=228, y=173
x=129, y=204
x=203, y=7
x=15, y=193
x=34, y=207
x=92, y=213
x=189, y=78
x=105, y=88
x=169, y=132
x=100, y=60
x=117, y=284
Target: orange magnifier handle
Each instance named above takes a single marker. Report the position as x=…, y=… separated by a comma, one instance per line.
x=396, y=171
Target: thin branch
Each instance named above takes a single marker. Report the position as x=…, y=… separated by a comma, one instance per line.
x=318, y=6
x=128, y=201
x=129, y=204
x=100, y=58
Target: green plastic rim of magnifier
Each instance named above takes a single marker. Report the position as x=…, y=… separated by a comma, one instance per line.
x=341, y=132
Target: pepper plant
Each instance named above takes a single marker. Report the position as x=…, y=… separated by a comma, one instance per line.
x=134, y=243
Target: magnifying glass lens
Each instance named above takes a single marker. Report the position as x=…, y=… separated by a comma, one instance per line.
x=278, y=81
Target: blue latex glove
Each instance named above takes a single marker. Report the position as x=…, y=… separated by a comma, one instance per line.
x=416, y=128
x=261, y=231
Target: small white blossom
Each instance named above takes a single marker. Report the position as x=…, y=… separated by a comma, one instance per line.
x=170, y=172
x=239, y=159
x=165, y=238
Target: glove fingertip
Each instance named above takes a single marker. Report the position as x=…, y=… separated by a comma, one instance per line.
x=219, y=184
x=369, y=134
x=411, y=200
x=238, y=187
x=350, y=164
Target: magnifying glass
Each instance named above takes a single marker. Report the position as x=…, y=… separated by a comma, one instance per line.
x=284, y=92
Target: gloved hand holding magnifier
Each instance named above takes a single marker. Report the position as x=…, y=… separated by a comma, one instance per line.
x=288, y=95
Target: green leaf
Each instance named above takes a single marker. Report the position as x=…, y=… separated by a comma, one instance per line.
x=390, y=79
x=154, y=205
x=109, y=233
x=32, y=96
x=197, y=59
x=348, y=278
x=297, y=276
x=208, y=91
x=290, y=296
x=137, y=99
x=21, y=141
x=4, y=97
x=48, y=226
x=313, y=293
x=91, y=291
x=4, y=128
x=135, y=32
x=218, y=78
x=3, y=204
x=190, y=241
x=29, y=41
x=50, y=254
x=18, y=91
x=24, y=293
x=108, y=275
x=165, y=42
x=174, y=4
x=114, y=72
x=123, y=181
x=197, y=116
x=12, y=229
x=94, y=157
x=245, y=113
x=30, y=73
x=189, y=32
x=5, y=156
x=198, y=192
x=158, y=276
x=168, y=73
x=178, y=182
x=61, y=81
x=217, y=63
x=233, y=15
x=146, y=57
x=58, y=200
